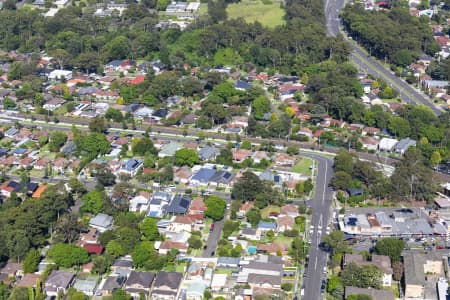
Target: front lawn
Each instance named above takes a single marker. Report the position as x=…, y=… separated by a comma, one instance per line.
x=303, y=166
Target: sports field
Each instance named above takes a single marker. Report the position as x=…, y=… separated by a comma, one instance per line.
x=268, y=13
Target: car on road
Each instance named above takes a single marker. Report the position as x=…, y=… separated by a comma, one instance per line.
x=211, y=228
x=213, y=253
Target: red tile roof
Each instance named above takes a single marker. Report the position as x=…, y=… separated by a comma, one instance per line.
x=93, y=248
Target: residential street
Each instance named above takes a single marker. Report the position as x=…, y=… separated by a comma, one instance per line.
x=214, y=235
x=370, y=65
x=321, y=208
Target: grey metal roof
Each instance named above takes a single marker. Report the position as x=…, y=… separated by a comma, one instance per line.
x=101, y=220
x=178, y=205
x=208, y=152
x=169, y=279
x=222, y=176
x=142, y=278
x=404, y=144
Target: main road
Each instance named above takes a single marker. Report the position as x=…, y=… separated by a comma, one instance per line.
x=370, y=65
x=321, y=212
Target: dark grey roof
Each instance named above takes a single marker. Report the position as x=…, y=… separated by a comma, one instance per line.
x=242, y=85
x=178, y=205
x=113, y=283
x=169, y=279
x=69, y=147
x=261, y=279
x=123, y=263
x=59, y=279
x=204, y=175
x=223, y=177
x=264, y=266
x=142, y=278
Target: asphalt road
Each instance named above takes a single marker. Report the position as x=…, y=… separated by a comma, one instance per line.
x=321, y=212
x=214, y=236
x=370, y=65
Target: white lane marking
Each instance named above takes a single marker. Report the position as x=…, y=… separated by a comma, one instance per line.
x=324, y=183
x=315, y=264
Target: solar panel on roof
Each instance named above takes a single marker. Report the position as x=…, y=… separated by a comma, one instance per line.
x=227, y=175
x=184, y=203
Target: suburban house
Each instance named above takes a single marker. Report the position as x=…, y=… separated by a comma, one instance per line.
x=241, y=154
x=374, y=293
x=178, y=206
x=86, y=286
x=166, y=286
x=285, y=160
x=9, y=187
x=197, y=206
x=422, y=272
x=168, y=150
x=131, y=167
x=139, y=282
x=289, y=210
x=264, y=281
x=202, y=177
x=245, y=208
x=102, y=222
x=387, y=144
x=166, y=246
x=140, y=203
x=403, y=145
x=208, y=153
x=58, y=282
x=382, y=262
x=182, y=175
x=285, y=223
x=250, y=234
x=112, y=283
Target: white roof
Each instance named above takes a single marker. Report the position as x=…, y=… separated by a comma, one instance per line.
x=193, y=6
x=387, y=143
x=219, y=280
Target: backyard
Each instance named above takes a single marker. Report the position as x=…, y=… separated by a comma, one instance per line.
x=268, y=13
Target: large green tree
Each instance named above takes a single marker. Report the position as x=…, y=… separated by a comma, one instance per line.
x=215, y=207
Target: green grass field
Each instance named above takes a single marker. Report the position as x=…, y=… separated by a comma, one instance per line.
x=270, y=15
x=303, y=167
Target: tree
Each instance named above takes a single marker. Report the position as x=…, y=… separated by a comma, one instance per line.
x=435, y=158
x=195, y=242
x=298, y=250
x=120, y=294
x=9, y=103
x=391, y=247
x=247, y=187
x=186, y=157
x=101, y=264
x=341, y=180
x=217, y=10
x=68, y=228
x=215, y=207
x=93, y=202
x=77, y=295
x=103, y=174
x=292, y=150
x=98, y=124
x=114, y=114
x=141, y=146
x=335, y=243
x=142, y=254
x=149, y=229
x=31, y=261
x=65, y=255
x=115, y=249
x=363, y=277
x=19, y=293
x=17, y=243
x=260, y=107
x=57, y=140
x=286, y=286
x=253, y=216
x=225, y=157
x=399, y=127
